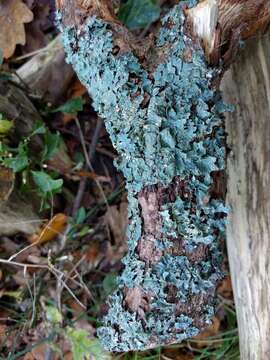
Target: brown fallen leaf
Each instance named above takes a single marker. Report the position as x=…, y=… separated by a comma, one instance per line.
x=7, y=179
x=40, y=353
x=117, y=221
x=13, y=15
x=51, y=230
x=225, y=288
x=177, y=354
x=202, y=340
x=3, y=332
x=76, y=90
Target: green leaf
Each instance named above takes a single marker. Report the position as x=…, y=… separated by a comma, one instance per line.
x=46, y=183
x=85, y=348
x=5, y=126
x=39, y=128
x=51, y=144
x=137, y=14
x=80, y=215
x=53, y=314
x=20, y=161
x=109, y=283
x=72, y=106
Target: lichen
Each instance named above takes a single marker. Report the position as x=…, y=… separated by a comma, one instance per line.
x=179, y=133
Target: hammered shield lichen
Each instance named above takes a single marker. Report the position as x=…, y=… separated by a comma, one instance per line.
x=178, y=133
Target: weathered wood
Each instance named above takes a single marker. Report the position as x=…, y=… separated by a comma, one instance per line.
x=44, y=71
x=247, y=85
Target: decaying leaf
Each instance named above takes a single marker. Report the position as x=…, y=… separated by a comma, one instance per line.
x=18, y=216
x=3, y=332
x=177, y=354
x=117, y=220
x=6, y=183
x=212, y=330
x=77, y=90
x=13, y=15
x=225, y=288
x=38, y=353
x=51, y=230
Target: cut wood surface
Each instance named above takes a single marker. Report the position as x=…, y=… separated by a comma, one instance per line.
x=247, y=85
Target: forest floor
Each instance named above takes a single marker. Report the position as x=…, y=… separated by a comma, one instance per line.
x=63, y=207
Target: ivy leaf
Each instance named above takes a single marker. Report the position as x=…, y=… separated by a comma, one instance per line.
x=46, y=183
x=85, y=348
x=39, y=128
x=52, y=142
x=72, y=106
x=137, y=14
x=20, y=161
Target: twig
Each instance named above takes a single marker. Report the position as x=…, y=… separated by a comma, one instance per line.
x=57, y=273
x=68, y=276
x=47, y=227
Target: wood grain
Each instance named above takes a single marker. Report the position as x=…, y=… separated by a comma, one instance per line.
x=247, y=85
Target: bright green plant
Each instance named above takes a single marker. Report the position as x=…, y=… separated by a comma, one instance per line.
x=20, y=160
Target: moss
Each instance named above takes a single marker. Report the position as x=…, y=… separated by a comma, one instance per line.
x=178, y=134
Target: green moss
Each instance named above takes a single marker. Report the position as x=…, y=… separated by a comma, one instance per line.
x=179, y=133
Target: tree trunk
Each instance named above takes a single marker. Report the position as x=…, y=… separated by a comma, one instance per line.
x=247, y=85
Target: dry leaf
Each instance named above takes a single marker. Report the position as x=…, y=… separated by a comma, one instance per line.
x=3, y=332
x=6, y=183
x=39, y=353
x=177, y=354
x=13, y=15
x=77, y=90
x=225, y=288
x=212, y=330
x=117, y=220
x=51, y=230
x=68, y=356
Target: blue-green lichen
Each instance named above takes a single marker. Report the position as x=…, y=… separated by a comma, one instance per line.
x=178, y=133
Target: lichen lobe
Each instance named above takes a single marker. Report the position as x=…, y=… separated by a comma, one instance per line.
x=169, y=147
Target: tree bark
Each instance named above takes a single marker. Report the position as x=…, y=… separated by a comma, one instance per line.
x=161, y=104
x=247, y=86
